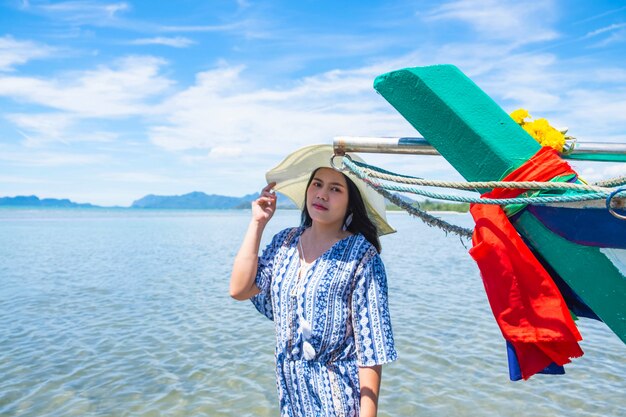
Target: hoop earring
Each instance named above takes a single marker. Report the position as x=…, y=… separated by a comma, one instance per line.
x=346, y=224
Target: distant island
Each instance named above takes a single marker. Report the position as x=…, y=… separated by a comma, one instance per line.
x=200, y=201
x=34, y=201
x=192, y=201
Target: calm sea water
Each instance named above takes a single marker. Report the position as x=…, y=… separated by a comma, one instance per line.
x=126, y=313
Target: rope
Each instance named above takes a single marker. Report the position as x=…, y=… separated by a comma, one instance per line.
x=495, y=201
x=613, y=182
x=382, y=174
x=599, y=190
x=538, y=200
x=424, y=216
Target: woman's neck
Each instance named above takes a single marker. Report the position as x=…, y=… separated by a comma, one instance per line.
x=325, y=232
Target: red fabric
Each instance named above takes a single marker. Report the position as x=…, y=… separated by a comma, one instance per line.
x=527, y=305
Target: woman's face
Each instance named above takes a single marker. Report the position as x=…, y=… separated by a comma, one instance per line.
x=327, y=197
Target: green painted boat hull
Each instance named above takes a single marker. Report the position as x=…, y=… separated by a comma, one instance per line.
x=483, y=143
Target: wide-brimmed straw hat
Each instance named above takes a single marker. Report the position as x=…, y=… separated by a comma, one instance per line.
x=293, y=173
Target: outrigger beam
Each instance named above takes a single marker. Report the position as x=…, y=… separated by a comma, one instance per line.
x=483, y=143
x=596, y=151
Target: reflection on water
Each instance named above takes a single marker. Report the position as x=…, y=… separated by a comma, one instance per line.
x=126, y=313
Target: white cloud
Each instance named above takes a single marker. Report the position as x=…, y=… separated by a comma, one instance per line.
x=226, y=117
x=175, y=42
x=82, y=12
x=53, y=125
x=601, y=15
x=51, y=159
x=109, y=91
x=598, y=171
x=604, y=112
x=225, y=151
x=14, y=52
x=102, y=14
x=44, y=139
x=616, y=34
x=11, y=179
x=206, y=28
x=40, y=129
x=616, y=170
x=610, y=75
x=223, y=109
x=586, y=96
x=136, y=177
x=605, y=29
x=615, y=37
x=519, y=22
x=221, y=112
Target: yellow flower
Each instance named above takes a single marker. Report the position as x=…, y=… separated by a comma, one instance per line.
x=519, y=115
x=540, y=130
x=554, y=139
x=530, y=129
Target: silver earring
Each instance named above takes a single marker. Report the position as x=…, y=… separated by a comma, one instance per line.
x=346, y=224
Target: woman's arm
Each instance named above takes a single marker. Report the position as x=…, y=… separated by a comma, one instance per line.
x=369, y=380
x=242, y=285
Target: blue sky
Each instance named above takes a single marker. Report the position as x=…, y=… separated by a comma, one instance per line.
x=107, y=101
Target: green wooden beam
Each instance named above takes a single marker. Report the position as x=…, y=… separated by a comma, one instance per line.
x=462, y=122
x=483, y=143
x=592, y=274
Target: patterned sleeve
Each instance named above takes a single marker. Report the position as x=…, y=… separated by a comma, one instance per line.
x=370, y=315
x=265, y=265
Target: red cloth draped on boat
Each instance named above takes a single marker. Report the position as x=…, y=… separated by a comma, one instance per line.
x=527, y=305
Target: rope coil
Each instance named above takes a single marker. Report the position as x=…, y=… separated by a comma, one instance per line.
x=382, y=174
x=538, y=200
x=371, y=175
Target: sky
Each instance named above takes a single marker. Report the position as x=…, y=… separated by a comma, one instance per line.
x=108, y=101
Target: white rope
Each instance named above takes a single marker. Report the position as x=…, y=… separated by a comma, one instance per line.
x=526, y=185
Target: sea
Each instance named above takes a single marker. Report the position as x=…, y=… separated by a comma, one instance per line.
x=120, y=312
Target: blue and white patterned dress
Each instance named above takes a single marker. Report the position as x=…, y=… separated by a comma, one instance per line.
x=328, y=323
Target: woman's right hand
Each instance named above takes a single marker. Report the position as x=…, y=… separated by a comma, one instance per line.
x=242, y=278
x=263, y=208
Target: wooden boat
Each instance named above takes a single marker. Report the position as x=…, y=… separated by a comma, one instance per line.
x=583, y=244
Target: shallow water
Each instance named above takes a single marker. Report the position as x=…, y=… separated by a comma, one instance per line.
x=126, y=313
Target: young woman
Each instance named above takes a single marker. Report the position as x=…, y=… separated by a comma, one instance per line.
x=324, y=286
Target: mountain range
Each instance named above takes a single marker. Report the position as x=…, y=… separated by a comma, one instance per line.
x=193, y=200
x=200, y=201
x=34, y=201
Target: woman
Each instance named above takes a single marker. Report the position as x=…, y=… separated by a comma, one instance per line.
x=324, y=285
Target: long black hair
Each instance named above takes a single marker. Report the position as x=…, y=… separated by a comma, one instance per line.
x=361, y=223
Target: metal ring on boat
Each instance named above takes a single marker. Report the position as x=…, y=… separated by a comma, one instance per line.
x=342, y=167
x=608, y=202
